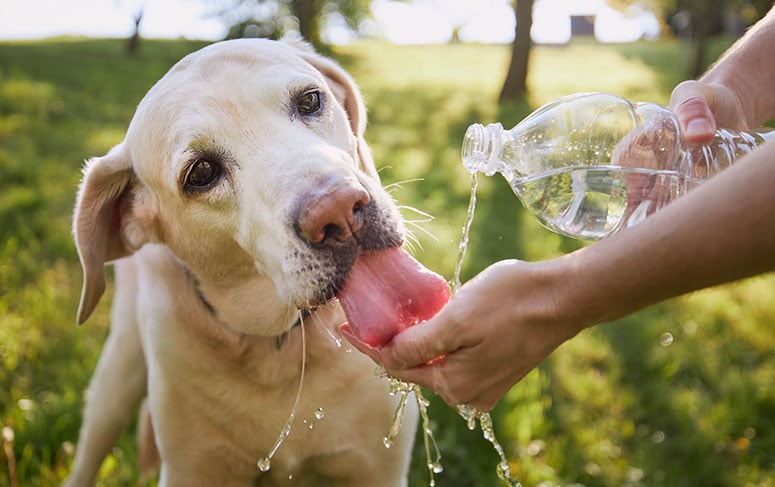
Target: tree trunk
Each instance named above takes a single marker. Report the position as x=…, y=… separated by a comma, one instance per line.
x=700, y=31
x=133, y=43
x=515, y=86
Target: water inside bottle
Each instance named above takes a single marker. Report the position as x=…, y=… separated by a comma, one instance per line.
x=592, y=202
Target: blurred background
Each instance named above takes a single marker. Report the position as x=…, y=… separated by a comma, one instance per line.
x=680, y=394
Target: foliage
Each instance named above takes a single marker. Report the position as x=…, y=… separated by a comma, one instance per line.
x=699, y=19
x=274, y=18
x=678, y=394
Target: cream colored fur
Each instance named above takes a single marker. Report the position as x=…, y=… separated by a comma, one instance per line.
x=210, y=284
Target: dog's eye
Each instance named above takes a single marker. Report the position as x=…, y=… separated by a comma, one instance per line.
x=202, y=174
x=308, y=103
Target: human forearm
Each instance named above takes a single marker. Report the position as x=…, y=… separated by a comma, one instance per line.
x=748, y=70
x=722, y=231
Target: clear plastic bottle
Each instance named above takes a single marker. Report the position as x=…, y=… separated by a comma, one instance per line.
x=590, y=164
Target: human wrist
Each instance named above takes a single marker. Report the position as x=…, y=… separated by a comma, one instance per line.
x=562, y=296
x=743, y=108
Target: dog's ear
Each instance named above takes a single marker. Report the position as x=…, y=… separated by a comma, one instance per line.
x=101, y=224
x=349, y=96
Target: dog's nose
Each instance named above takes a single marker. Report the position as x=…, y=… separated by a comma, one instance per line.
x=333, y=212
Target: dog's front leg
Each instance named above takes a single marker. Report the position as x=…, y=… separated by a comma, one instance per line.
x=118, y=384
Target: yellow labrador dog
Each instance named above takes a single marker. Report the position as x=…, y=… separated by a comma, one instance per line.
x=235, y=209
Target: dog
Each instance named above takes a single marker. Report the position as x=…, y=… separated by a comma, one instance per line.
x=233, y=210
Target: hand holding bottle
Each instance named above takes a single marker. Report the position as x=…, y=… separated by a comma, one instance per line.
x=513, y=314
x=591, y=164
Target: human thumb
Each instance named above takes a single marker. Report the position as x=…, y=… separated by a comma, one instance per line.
x=418, y=345
x=690, y=105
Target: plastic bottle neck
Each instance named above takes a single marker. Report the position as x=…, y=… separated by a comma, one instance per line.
x=482, y=146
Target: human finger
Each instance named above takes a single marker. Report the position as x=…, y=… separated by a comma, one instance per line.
x=690, y=103
x=372, y=352
x=420, y=344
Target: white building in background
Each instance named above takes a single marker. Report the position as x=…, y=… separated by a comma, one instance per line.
x=492, y=21
x=556, y=21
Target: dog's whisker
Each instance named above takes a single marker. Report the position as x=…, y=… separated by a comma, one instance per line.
x=426, y=216
x=412, y=247
x=415, y=225
x=412, y=243
x=400, y=184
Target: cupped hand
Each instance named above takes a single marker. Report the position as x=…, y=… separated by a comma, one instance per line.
x=497, y=328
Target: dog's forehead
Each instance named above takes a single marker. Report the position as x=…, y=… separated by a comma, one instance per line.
x=244, y=53
x=213, y=84
x=222, y=67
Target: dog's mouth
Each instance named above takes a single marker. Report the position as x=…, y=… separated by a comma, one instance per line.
x=352, y=237
x=387, y=291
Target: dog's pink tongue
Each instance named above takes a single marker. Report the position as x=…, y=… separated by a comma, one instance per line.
x=388, y=291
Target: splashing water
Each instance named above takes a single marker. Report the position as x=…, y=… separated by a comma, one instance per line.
x=469, y=413
x=404, y=389
x=265, y=463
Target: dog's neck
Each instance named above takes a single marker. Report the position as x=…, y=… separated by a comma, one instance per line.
x=250, y=306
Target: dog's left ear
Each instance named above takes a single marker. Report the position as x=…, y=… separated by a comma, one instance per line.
x=348, y=95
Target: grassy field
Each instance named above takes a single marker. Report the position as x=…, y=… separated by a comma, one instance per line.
x=679, y=394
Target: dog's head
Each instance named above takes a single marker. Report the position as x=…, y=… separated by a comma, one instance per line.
x=247, y=160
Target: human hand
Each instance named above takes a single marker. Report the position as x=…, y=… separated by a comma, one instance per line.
x=702, y=107
x=497, y=328
x=699, y=108
x=653, y=145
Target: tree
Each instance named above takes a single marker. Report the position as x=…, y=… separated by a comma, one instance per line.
x=704, y=19
x=134, y=40
x=515, y=85
x=274, y=18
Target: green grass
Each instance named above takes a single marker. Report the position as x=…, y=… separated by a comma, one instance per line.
x=624, y=404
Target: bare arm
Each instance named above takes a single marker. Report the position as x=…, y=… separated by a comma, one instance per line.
x=736, y=92
x=506, y=320
x=720, y=232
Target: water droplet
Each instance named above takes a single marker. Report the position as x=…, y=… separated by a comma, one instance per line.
x=387, y=442
x=319, y=413
x=504, y=470
x=666, y=339
x=658, y=437
x=436, y=467
x=380, y=372
x=286, y=431
x=264, y=464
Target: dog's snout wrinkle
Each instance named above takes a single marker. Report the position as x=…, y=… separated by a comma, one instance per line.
x=333, y=214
